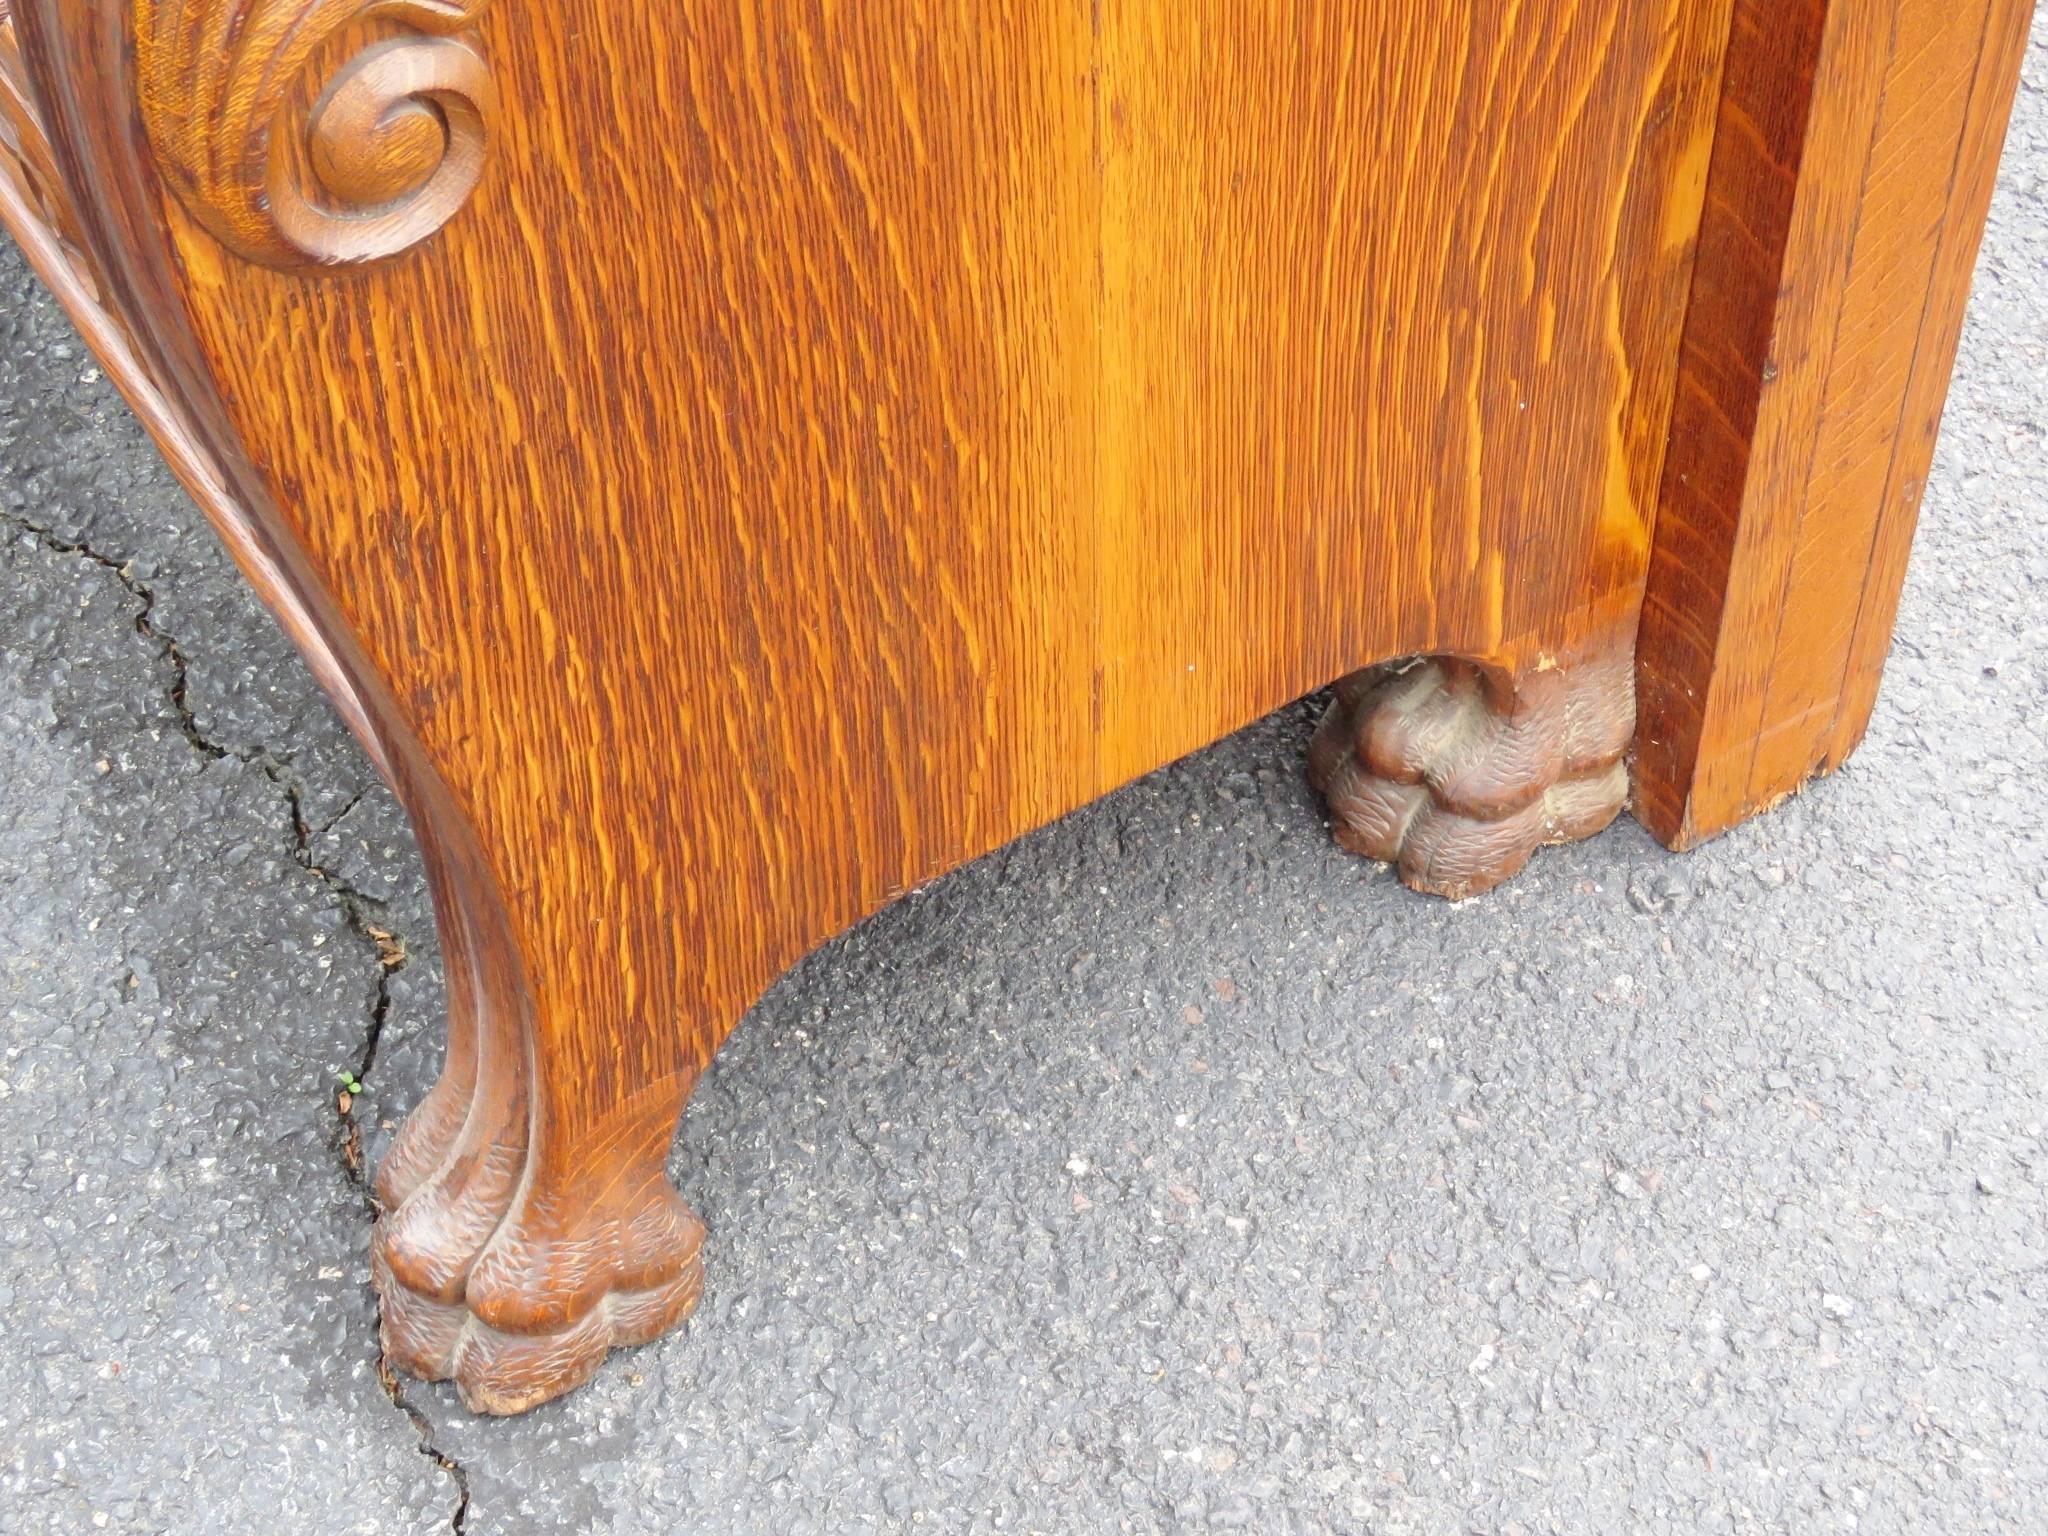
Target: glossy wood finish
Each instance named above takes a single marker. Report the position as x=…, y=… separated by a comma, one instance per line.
x=947, y=422
x=384, y=155
x=803, y=448
x=952, y=377
x=1852, y=174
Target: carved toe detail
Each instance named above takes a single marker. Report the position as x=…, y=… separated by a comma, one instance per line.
x=514, y=1275
x=423, y=1142
x=511, y=1368
x=1456, y=775
x=547, y=1268
x=433, y=1238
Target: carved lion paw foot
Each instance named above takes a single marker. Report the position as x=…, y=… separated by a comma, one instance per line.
x=1456, y=775
x=514, y=1282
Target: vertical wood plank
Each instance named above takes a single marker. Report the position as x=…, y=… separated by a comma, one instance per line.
x=1848, y=193
x=1926, y=391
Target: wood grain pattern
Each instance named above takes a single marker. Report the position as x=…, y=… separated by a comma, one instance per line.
x=120, y=286
x=834, y=440
x=1404, y=289
x=959, y=456
x=1852, y=173
x=826, y=447
x=43, y=211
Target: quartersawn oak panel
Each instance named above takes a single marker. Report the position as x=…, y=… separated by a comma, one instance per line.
x=834, y=440
x=1388, y=321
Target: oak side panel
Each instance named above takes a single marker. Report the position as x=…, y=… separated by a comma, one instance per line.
x=1388, y=336
x=833, y=440
x=707, y=480
x=1850, y=183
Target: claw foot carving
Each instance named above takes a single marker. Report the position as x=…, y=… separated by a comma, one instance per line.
x=1456, y=774
x=514, y=1275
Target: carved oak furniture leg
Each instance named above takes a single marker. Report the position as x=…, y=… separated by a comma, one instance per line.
x=513, y=1256
x=1456, y=773
x=529, y=1224
x=721, y=516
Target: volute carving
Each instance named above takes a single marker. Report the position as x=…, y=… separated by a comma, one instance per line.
x=389, y=150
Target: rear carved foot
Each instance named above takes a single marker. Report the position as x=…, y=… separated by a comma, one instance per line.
x=1455, y=774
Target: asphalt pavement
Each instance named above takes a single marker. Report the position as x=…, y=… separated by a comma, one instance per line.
x=1167, y=1171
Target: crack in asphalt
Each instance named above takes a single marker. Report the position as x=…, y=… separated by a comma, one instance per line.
x=366, y=916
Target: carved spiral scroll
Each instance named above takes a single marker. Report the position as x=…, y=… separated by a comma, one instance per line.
x=380, y=159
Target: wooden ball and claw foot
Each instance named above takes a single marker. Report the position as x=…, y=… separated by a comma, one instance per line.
x=718, y=517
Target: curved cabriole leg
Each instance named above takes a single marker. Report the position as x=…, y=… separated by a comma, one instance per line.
x=1455, y=773
x=528, y=1224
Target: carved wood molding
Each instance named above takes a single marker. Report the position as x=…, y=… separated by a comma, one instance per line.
x=385, y=154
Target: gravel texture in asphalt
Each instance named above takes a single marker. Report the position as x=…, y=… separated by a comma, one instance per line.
x=1166, y=1171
